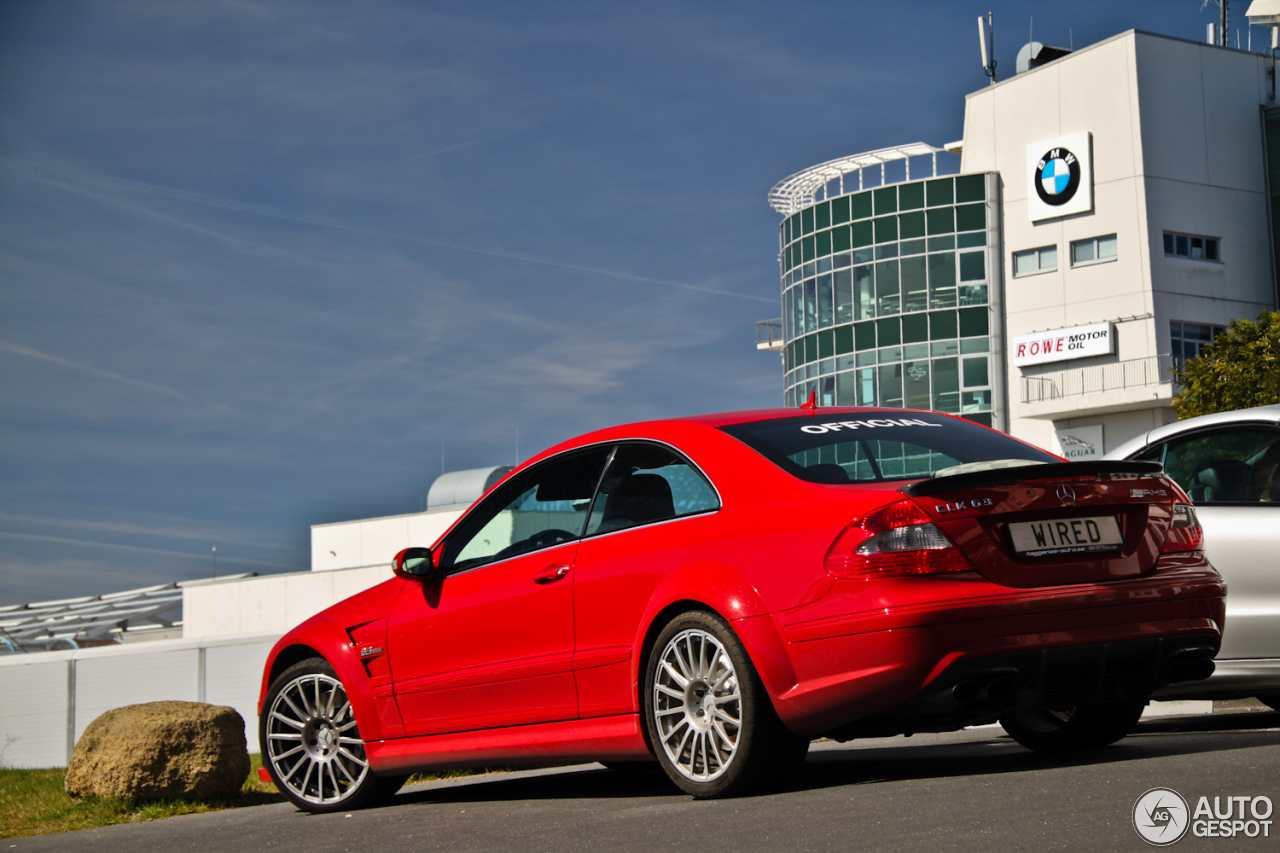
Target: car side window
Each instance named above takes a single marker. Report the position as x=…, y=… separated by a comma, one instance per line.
x=647, y=483
x=1236, y=465
x=538, y=508
x=1154, y=453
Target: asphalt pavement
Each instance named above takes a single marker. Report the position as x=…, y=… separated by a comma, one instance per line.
x=966, y=791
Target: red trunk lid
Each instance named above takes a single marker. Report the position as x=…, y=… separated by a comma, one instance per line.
x=1048, y=525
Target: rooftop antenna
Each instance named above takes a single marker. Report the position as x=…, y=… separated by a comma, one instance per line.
x=986, y=41
x=1223, y=34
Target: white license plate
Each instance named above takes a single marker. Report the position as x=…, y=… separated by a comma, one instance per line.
x=1065, y=536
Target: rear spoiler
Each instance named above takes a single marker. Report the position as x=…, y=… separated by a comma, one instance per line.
x=1024, y=473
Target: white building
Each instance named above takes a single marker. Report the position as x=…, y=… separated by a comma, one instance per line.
x=1128, y=219
x=215, y=653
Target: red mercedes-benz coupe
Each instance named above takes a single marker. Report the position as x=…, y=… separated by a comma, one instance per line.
x=713, y=592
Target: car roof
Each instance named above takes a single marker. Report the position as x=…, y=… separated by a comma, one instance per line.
x=1256, y=415
x=662, y=427
x=719, y=419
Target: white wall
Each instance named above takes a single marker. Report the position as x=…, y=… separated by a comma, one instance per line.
x=270, y=603
x=1210, y=182
x=47, y=699
x=51, y=697
x=374, y=541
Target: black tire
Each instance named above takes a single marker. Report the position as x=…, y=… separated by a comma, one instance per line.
x=311, y=744
x=717, y=735
x=1081, y=728
x=1271, y=700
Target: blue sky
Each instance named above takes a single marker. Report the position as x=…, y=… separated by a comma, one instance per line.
x=259, y=260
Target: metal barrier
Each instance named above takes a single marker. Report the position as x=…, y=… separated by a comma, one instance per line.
x=1134, y=373
x=769, y=335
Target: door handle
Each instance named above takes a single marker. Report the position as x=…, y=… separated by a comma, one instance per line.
x=552, y=575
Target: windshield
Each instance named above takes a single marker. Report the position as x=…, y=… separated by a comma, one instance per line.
x=872, y=447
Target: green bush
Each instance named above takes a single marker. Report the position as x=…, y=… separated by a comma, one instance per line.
x=1239, y=370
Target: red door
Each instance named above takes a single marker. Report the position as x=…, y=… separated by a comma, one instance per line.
x=491, y=644
x=488, y=647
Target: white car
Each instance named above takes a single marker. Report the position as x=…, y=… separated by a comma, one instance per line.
x=1229, y=463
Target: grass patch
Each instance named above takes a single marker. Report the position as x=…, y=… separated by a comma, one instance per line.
x=34, y=802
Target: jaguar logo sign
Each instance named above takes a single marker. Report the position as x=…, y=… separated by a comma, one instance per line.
x=1080, y=442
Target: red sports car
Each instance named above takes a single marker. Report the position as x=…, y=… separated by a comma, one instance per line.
x=713, y=592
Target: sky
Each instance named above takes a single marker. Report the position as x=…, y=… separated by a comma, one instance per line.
x=265, y=264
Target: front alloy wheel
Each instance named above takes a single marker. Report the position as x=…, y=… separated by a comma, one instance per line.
x=311, y=744
x=707, y=715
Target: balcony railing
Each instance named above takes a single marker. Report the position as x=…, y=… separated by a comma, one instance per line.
x=769, y=335
x=1134, y=373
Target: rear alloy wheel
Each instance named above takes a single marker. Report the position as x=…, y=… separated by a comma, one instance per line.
x=1085, y=727
x=708, y=716
x=311, y=744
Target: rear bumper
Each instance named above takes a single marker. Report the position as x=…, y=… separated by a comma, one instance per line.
x=897, y=667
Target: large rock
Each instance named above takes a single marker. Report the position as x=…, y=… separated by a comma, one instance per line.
x=161, y=750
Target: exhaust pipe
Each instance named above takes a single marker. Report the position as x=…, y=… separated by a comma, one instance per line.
x=1179, y=670
x=1201, y=669
x=964, y=691
x=1001, y=690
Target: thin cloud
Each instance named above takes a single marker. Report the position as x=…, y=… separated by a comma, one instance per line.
x=125, y=528
x=18, y=349
x=76, y=176
x=66, y=540
x=461, y=145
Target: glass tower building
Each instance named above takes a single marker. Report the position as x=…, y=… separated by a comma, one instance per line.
x=891, y=295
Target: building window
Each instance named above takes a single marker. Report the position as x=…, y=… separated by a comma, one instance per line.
x=1186, y=340
x=1032, y=261
x=885, y=295
x=1191, y=246
x=1094, y=250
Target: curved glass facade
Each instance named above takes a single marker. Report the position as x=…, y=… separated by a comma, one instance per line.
x=890, y=297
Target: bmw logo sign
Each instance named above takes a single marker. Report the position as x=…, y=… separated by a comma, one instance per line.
x=1057, y=176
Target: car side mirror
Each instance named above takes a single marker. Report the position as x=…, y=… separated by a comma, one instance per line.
x=416, y=564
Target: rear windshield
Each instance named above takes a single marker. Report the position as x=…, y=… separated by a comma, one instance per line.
x=874, y=447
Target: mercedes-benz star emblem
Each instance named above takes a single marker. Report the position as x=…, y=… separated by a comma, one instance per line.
x=1066, y=494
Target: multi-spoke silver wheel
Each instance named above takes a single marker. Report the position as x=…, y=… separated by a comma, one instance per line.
x=697, y=705
x=707, y=715
x=312, y=741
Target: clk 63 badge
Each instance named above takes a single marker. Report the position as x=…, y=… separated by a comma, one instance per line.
x=961, y=506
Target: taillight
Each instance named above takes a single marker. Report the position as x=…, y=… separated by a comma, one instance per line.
x=1185, y=534
x=898, y=539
